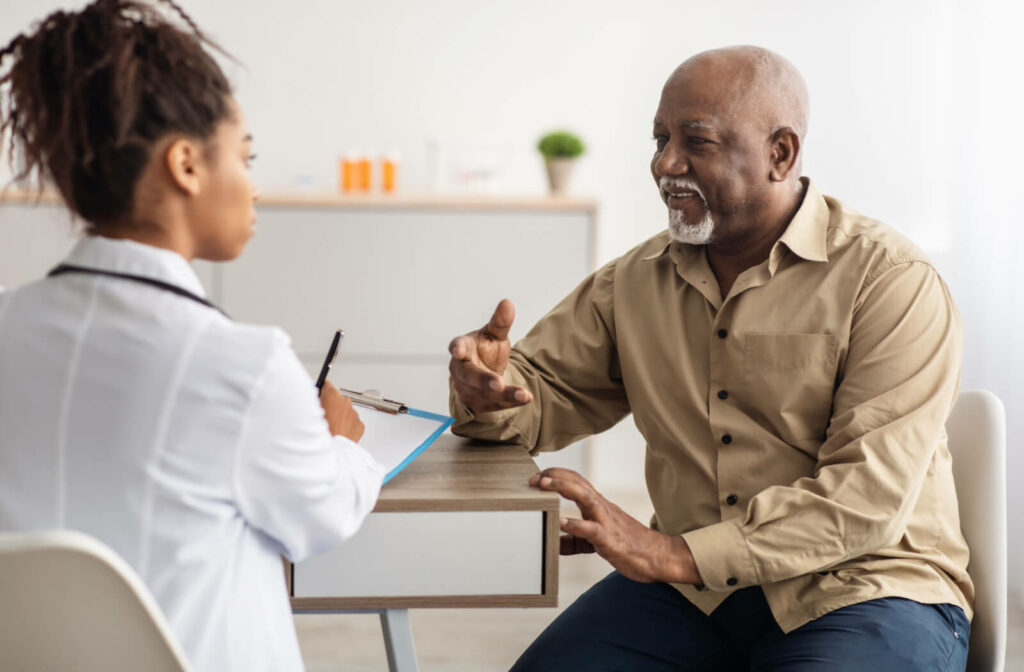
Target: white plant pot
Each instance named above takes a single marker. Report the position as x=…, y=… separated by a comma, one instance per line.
x=559, y=172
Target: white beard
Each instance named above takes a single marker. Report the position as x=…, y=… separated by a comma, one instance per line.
x=700, y=233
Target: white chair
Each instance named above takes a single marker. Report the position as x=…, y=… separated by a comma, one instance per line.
x=67, y=602
x=977, y=441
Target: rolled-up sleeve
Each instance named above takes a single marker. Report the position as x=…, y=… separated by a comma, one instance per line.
x=894, y=393
x=301, y=486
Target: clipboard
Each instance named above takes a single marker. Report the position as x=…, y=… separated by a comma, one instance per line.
x=396, y=437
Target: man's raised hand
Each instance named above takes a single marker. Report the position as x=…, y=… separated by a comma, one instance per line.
x=478, y=363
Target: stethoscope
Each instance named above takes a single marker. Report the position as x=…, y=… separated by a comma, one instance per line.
x=166, y=286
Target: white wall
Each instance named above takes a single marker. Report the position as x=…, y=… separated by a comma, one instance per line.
x=915, y=120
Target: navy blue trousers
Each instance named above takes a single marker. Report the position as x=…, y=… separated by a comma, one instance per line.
x=627, y=626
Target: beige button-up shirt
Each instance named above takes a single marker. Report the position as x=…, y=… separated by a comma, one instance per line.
x=795, y=428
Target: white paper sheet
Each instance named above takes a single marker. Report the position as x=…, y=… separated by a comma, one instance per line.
x=394, y=440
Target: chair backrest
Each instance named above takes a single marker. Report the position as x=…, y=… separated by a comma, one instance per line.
x=67, y=602
x=977, y=441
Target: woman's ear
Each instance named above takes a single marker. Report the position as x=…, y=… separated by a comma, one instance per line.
x=785, y=145
x=183, y=160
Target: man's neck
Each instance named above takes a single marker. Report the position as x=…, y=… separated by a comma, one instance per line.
x=730, y=258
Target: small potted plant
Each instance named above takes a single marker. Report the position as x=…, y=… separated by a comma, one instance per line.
x=559, y=149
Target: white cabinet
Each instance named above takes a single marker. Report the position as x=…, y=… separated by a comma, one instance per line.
x=401, y=275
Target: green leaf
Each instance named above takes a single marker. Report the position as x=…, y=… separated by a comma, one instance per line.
x=560, y=144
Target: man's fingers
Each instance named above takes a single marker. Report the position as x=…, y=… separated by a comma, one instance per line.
x=484, y=383
x=586, y=530
x=580, y=493
x=481, y=401
x=461, y=347
x=501, y=320
x=516, y=396
x=565, y=475
x=570, y=545
x=487, y=382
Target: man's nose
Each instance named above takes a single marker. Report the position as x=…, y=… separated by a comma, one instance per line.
x=671, y=161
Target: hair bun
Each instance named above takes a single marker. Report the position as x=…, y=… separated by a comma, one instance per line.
x=92, y=90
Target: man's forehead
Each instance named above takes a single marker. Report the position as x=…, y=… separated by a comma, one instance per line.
x=699, y=103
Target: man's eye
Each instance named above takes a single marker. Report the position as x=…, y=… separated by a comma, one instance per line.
x=249, y=159
x=695, y=140
x=660, y=140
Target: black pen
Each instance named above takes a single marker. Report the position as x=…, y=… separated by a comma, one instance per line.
x=332, y=352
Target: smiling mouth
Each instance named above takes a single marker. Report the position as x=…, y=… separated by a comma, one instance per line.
x=678, y=198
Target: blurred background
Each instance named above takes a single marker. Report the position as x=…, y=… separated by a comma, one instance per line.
x=916, y=120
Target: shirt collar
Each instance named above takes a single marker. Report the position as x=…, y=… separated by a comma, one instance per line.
x=805, y=235
x=652, y=257
x=128, y=256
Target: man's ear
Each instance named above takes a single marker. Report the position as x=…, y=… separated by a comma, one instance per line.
x=785, y=145
x=183, y=160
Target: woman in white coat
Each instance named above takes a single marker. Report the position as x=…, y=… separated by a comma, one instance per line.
x=130, y=407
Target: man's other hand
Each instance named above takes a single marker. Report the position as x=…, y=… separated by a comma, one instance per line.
x=478, y=363
x=635, y=550
x=342, y=418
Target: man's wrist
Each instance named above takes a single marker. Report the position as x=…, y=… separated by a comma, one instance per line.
x=681, y=567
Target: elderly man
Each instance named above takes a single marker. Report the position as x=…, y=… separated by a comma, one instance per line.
x=791, y=364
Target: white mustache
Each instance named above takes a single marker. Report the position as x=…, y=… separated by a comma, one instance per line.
x=678, y=184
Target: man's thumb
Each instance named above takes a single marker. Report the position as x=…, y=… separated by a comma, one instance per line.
x=501, y=320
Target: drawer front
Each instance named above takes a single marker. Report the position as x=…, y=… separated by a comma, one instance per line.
x=428, y=554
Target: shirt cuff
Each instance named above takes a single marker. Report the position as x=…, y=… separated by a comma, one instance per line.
x=351, y=449
x=723, y=559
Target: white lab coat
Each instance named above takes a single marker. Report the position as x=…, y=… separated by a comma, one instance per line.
x=194, y=446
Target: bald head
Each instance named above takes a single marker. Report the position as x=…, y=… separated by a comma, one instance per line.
x=756, y=84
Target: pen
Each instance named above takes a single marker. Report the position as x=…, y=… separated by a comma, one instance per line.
x=332, y=353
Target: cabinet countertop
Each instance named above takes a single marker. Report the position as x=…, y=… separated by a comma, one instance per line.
x=373, y=201
x=457, y=474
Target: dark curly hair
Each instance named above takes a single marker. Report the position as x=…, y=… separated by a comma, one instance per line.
x=88, y=93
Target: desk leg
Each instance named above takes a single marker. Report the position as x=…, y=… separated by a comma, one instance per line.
x=398, y=640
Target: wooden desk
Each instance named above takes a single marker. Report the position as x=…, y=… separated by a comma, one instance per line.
x=460, y=527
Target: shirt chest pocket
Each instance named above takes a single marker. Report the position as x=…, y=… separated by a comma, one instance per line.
x=790, y=379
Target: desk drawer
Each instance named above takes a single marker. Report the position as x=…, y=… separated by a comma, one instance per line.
x=430, y=558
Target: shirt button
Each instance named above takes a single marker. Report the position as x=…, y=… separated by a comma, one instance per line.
x=727, y=438
x=722, y=394
x=731, y=499
x=731, y=581
x=699, y=586
x=722, y=333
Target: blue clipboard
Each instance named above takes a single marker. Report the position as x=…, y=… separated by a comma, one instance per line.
x=396, y=439
x=444, y=422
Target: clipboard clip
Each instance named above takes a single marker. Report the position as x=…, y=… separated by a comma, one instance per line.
x=374, y=399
